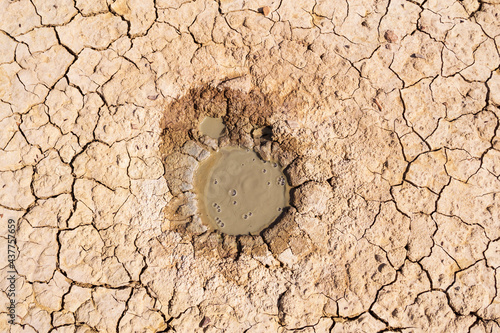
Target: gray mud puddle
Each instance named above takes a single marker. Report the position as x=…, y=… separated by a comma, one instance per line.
x=239, y=193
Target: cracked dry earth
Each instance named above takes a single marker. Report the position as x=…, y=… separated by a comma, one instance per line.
x=385, y=115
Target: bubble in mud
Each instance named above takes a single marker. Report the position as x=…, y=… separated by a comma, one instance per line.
x=215, y=181
x=279, y=209
x=234, y=202
x=245, y=216
x=221, y=224
x=275, y=165
x=264, y=170
x=268, y=183
x=215, y=204
x=233, y=192
x=249, y=213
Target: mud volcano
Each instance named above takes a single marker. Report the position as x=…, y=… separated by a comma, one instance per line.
x=225, y=155
x=238, y=192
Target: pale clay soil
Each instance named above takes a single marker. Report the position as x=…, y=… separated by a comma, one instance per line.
x=384, y=113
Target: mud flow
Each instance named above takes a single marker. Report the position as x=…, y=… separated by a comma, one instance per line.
x=238, y=192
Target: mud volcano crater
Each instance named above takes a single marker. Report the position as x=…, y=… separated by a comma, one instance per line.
x=230, y=185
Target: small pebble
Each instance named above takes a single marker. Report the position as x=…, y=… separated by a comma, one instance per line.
x=266, y=10
x=204, y=322
x=417, y=55
x=390, y=36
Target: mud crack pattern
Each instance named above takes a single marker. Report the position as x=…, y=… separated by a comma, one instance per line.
x=386, y=114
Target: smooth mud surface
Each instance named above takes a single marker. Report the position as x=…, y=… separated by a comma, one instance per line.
x=213, y=127
x=239, y=193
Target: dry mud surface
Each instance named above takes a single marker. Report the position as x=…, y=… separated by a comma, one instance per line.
x=385, y=114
